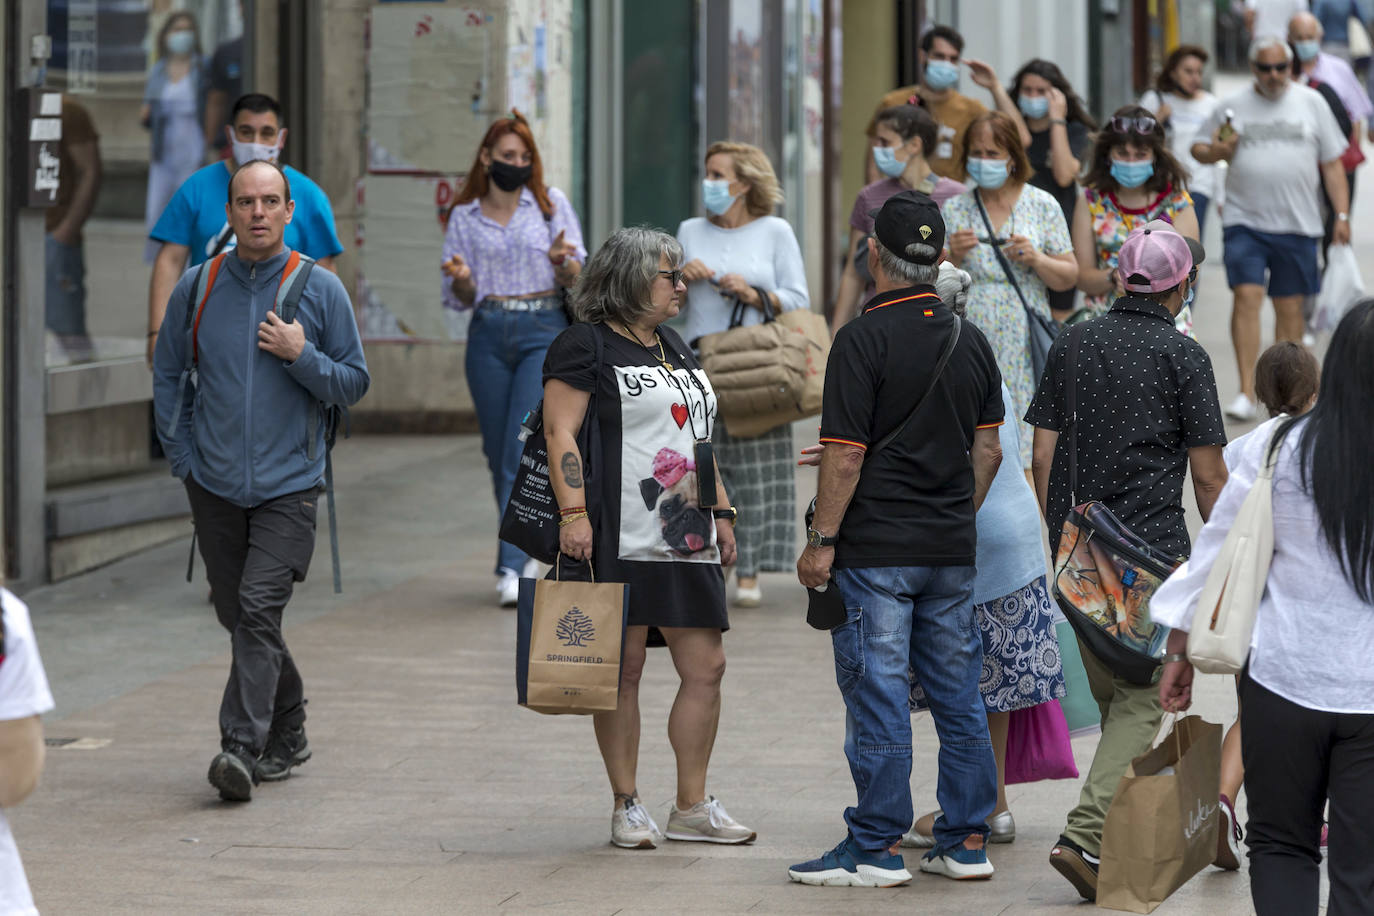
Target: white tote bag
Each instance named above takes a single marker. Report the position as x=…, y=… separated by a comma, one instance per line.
x=1219, y=642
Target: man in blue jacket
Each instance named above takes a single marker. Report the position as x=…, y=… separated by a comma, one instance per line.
x=241, y=423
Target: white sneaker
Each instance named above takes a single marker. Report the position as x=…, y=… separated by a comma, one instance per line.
x=533, y=569
x=749, y=597
x=707, y=822
x=508, y=587
x=633, y=828
x=1309, y=340
x=1242, y=408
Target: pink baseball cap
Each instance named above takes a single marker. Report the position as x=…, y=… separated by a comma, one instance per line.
x=1155, y=258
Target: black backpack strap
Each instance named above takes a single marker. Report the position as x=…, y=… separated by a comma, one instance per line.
x=1071, y=403
x=950, y=343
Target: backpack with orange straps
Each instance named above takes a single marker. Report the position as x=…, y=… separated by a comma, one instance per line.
x=290, y=288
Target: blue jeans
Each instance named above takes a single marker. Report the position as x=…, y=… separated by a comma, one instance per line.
x=921, y=616
x=1200, y=202
x=505, y=372
x=64, y=306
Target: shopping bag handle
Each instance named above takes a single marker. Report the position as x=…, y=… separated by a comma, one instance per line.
x=591, y=571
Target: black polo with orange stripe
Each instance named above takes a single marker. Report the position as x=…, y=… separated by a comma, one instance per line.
x=913, y=505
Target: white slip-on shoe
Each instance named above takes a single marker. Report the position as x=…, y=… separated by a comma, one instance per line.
x=508, y=588
x=749, y=597
x=632, y=827
x=1242, y=408
x=707, y=822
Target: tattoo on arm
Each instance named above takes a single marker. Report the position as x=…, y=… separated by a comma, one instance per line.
x=572, y=469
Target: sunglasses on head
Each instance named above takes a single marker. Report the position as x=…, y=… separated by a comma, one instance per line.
x=1143, y=125
x=1271, y=68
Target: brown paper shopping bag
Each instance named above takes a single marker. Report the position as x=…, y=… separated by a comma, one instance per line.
x=1162, y=826
x=568, y=641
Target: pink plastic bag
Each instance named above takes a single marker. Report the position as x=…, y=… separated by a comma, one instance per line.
x=1038, y=745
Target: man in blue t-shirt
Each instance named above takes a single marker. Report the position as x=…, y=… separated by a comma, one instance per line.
x=193, y=227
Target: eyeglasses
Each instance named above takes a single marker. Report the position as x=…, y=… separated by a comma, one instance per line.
x=1144, y=125
x=674, y=275
x=1192, y=275
x=1271, y=68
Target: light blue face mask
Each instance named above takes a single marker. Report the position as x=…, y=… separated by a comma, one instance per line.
x=1034, y=106
x=1132, y=174
x=1188, y=299
x=941, y=74
x=988, y=173
x=885, y=158
x=1306, y=50
x=716, y=196
x=181, y=42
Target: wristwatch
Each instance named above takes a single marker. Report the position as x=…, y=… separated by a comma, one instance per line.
x=729, y=513
x=815, y=539
x=1343, y=217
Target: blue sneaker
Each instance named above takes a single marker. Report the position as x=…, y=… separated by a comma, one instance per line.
x=849, y=866
x=958, y=862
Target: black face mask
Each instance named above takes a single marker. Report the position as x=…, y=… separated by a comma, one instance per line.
x=508, y=177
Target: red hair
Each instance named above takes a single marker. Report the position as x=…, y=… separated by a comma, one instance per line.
x=475, y=184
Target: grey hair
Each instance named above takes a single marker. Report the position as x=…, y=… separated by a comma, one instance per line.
x=952, y=287
x=1265, y=42
x=615, y=284
x=912, y=274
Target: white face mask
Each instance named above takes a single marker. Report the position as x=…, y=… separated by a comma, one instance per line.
x=247, y=152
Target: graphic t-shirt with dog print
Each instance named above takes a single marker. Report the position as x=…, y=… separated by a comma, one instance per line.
x=650, y=529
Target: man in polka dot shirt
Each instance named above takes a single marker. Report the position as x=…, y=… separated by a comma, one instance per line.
x=1147, y=411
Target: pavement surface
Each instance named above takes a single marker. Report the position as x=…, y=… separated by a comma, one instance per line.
x=430, y=790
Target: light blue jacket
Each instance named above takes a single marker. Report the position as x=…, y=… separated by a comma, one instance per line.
x=1011, y=552
x=242, y=428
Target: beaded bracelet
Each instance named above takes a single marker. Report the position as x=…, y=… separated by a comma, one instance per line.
x=569, y=510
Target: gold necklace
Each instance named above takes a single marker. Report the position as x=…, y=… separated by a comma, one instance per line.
x=661, y=356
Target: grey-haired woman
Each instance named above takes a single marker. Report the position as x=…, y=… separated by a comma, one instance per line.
x=637, y=516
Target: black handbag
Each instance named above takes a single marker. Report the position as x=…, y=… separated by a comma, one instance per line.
x=1041, y=330
x=530, y=520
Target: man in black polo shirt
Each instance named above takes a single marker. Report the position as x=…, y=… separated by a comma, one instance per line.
x=896, y=526
x=1147, y=410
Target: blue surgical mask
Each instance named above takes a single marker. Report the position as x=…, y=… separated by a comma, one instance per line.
x=1132, y=174
x=941, y=74
x=1306, y=50
x=181, y=42
x=1192, y=294
x=988, y=173
x=1034, y=106
x=885, y=157
x=716, y=196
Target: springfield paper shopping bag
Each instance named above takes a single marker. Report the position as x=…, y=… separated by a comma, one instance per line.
x=568, y=640
x=1162, y=826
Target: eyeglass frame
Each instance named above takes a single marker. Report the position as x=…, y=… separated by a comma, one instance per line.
x=674, y=275
x=1140, y=125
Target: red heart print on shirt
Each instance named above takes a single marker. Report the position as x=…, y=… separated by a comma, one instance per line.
x=680, y=414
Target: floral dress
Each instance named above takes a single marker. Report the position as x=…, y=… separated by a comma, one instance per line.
x=993, y=304
x=1112, y=223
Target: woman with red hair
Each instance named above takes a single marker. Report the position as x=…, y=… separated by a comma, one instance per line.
x=512, y=246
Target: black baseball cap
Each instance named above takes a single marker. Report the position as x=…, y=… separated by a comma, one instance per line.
x=910, y=218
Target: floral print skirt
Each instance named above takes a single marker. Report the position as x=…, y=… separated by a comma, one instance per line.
x=1021, y=661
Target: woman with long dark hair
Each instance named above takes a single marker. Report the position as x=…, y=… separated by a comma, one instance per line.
x=1132, y=179
x=1179, y=102
x=1060, y=132
x=1307, y=691
x=512, y=246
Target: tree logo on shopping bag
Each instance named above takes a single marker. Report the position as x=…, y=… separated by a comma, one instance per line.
x=575, y=628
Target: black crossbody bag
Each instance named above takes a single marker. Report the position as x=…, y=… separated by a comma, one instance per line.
x=825, y=608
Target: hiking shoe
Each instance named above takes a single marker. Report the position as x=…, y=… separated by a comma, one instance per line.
x=957, y=862
x=1228, y=837
x=232, y=773
x=849, y=866
x=1078, y=865
x=707, y=822
x=286, y=748
x=633, y=828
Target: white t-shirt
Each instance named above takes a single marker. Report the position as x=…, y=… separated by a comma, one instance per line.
x=1185, y=120
x=1271, y=16
x=23, y=693
x=1272, y=183
x=764, y=252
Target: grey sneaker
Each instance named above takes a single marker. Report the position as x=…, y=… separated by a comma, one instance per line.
x=632, y=827
x=286, y=748
x=707, y=822
x=232, y=773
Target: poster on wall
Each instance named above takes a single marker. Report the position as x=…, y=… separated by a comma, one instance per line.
x=427, y=86
x=401, y=240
